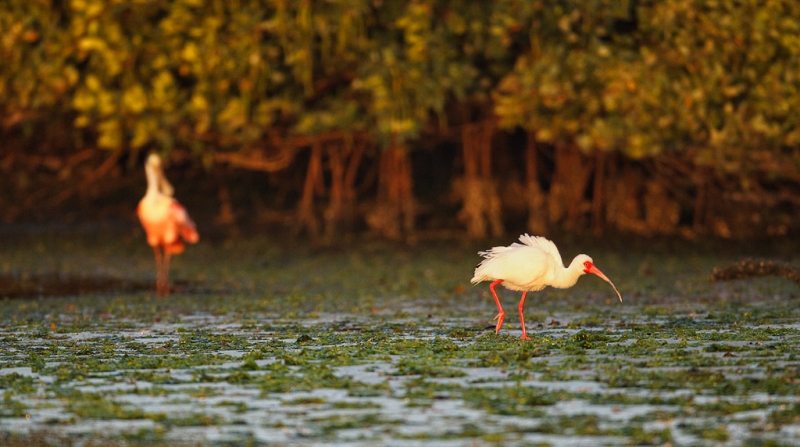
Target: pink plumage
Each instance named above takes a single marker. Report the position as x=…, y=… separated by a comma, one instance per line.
x=165, y=221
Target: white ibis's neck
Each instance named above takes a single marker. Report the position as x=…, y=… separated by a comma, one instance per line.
x=567, y=277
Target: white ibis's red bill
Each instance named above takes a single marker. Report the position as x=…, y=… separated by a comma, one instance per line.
x=530, y=266
x=165, y=221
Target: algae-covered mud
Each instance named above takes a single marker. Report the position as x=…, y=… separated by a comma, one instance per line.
x=265, y=343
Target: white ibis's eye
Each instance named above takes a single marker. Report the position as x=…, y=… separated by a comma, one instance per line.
x=586, y=264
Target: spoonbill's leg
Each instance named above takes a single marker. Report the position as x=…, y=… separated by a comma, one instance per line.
x=157, y=254
x=521, y=318
x=165, y=285
x=502, y=315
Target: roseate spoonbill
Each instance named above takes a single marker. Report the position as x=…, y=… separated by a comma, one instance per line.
x=530, y=266
x=165, y=221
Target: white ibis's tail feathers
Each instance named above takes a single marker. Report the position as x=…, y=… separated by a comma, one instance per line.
x=489, y=254
x=478, y=277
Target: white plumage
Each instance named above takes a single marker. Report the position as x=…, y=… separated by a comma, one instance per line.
x=531, y=264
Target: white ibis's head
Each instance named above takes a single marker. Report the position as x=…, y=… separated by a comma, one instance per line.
x=584, y=261
x=588, y=267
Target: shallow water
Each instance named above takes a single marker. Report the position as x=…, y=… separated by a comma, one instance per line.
x=374, y=398
x=374, y=349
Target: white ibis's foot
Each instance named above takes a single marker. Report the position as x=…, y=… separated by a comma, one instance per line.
x=499, y=317
x=525, y=337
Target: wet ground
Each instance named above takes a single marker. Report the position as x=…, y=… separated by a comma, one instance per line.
x=269, y=343
x=55, y=285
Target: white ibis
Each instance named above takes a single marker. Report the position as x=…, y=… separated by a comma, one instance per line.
x=530, y=266
x=165, y=221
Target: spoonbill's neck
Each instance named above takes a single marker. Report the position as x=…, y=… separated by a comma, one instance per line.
x=157, y=184
x=567, y=277
x=152, y=180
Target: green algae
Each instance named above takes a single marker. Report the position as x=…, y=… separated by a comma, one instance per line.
x=395, y=329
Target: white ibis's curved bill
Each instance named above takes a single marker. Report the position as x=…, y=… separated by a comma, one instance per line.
x=594, y=270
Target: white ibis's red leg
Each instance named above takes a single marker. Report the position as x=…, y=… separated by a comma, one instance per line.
x=502, y=315
x=521, y=318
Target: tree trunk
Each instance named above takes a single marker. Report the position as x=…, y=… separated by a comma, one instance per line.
x=333, y=213
x=306, y=218
x=394, y=213
x=471, y=213
x=598, y=189
x=572, y=172
x=226, y=215
x=493, y=205
x=354, y=150
x=482, y=208
x=624, y=208
x=661, y=212
x=699, y=220
x=537, y=222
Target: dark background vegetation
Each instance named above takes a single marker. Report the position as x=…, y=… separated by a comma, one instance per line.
x=408, y=119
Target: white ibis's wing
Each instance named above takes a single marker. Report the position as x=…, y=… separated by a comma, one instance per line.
x=520, y=266
x=543, y=244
